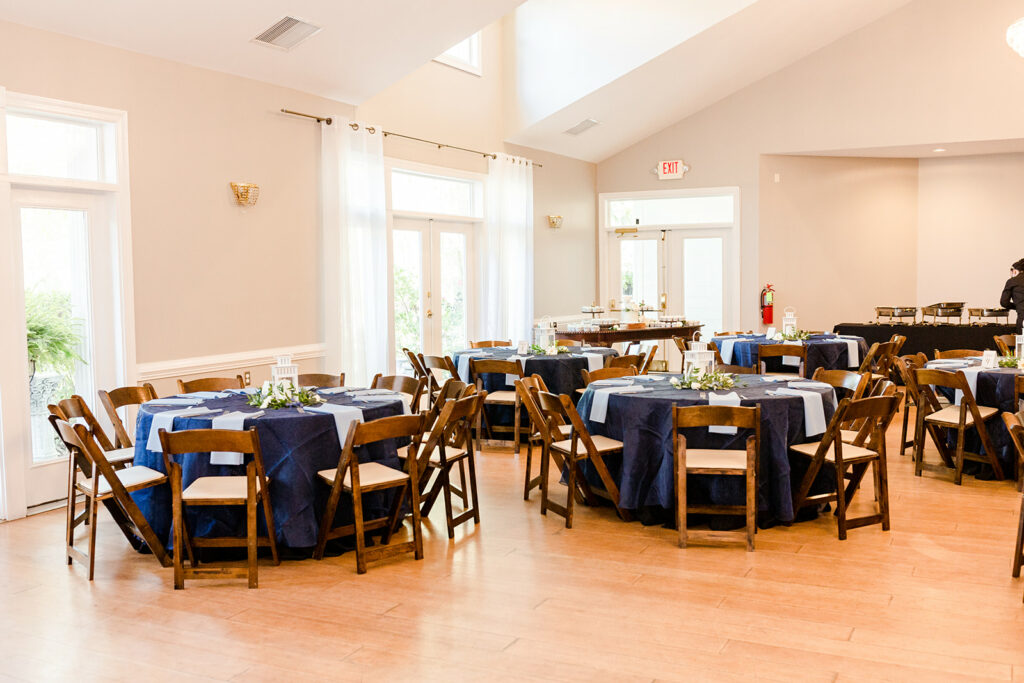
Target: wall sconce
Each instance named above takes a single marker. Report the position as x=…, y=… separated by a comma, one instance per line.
x=554, y=222
x=246, y=194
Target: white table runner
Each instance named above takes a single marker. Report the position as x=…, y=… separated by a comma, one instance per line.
x=792, y=361
x=852, y=350
x=165, y=421
x=730, y=399
x=234, y=420
x=344, y=416
x=814, y=410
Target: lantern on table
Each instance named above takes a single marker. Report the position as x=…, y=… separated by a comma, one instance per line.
x=544, y=333
x=698, y=359
x=789, y=321
x=1018, y=349
x=285, y=371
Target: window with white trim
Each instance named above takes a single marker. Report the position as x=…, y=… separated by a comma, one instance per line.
x=464, y=55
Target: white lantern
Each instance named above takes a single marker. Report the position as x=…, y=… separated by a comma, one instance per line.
x=544, y=335
x=698, y=358
x=285, y=371
x=1019, y=347
x=789, y=321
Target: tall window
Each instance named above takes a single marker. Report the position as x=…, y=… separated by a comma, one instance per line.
x=464, y=55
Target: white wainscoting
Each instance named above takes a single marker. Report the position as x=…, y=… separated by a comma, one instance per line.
x=201, y=365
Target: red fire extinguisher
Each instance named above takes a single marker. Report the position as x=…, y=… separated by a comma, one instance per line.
x=767, y=304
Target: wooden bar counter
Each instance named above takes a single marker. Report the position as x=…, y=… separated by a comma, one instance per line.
x=605, y=337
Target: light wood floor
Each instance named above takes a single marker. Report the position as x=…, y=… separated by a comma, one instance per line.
x=520, y=597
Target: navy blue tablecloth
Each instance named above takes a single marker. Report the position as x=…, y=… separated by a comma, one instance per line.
x=644, y=474
x=295, y=447
x=823, y=351
x=994, y=389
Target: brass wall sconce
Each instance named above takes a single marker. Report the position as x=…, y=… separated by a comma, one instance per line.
x=246, y=194
x=554, y=222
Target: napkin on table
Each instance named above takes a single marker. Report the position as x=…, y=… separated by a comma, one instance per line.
x=165, y=421
x=233, y=420
x=344, y=416
x=510, y=380
x=726, y=351
x=730, y=399
x=595, y=361
x=852, y=350
x=972, y=381
x=814, y=410
x=464, y=363
x=174, y=402
x=207, y=394
x=792, y=361
x=599, y=407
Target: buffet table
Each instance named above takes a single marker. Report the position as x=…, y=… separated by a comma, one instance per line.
x=926, y=338
x=623, y=334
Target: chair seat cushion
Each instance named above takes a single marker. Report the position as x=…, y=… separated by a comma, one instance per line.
x=710, y=458
x=132, y=478
x=233, y=487
x=370, y=474
x=850, y=452
x=450, y=452
x=120, y=456
x=501, y=397
x=602, y=443
x=951, y=415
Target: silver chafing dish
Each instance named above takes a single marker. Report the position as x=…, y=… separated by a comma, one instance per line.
x=892, y=313
x=946, y=310
x=977, y=316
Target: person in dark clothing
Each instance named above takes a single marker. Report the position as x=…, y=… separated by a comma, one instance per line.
x=1013, y=292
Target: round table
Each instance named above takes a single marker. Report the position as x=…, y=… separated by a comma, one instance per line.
x=643, y=422
x=823, y=351
x=295, y=447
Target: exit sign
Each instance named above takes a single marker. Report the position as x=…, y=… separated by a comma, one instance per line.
x=672, y=169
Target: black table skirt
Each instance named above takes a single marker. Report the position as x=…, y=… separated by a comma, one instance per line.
x=926, y=337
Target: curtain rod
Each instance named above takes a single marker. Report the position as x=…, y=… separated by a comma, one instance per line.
x=371, y=129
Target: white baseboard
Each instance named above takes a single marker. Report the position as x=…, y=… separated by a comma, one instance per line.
x=198, y=365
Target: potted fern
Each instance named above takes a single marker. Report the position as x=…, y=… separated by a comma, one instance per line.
x=52, y=341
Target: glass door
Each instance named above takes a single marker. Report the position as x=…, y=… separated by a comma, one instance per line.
x=65, y=249
x=636, y=266
x=695, y=282
x=431, y=276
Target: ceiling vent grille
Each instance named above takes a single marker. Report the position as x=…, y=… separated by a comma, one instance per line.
x=582, y=127
x=287, y=33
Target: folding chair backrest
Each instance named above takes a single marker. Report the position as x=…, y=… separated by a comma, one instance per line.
x=527, y=396
x=75, y=443
x=579, y=428
x=403, y=384
x=876, y=412
x=607, y=373
x=552, y=413
x=685, y=417
x=206, y=441
x=321, y=379
x=414, y=361
x=856, y=383
x=625, y=361
x=879, y=358
x=956, y=353
x=489, y=344
x=1005, y=343
x=648, y=359
x=448, y=429
x=211, y=384
x=898, y=340
x=484, y=366
x=928, y=378
x=119, y=398
x=76, y=408
x=735, y=369
x=436, y=368
x=534, y=381
x=1016, y=428
x=780, y=350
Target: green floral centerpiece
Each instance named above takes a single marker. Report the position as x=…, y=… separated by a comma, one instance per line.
x=549, y=351
x=283, y=395
x=1008, y=361
x=698, y=379
x=795, y=335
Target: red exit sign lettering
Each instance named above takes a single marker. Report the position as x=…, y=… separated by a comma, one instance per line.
x=672, y=169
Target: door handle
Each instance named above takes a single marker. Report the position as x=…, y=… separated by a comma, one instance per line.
x=430, y=313
x=664, y=301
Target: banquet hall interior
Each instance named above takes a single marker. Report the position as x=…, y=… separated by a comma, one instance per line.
x=512, y=340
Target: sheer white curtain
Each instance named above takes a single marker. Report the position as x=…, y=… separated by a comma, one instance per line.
x=355, y=257
x=505, y=251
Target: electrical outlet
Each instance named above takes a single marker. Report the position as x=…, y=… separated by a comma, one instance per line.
x=247, y=378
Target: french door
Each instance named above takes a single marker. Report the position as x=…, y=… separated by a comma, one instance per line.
x=678, y=272
x=432, y=288
x=65, y=263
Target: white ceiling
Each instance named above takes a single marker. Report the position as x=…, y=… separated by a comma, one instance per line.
x=730, y=55
x=364, y=46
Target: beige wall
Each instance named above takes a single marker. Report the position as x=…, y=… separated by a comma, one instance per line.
x=197, y=255
x=838, y=235
x=971, y=227
x=936, y=71
x=438, y=102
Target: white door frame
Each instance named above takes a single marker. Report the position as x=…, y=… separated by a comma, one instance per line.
x=732, y=242
x=15, y=437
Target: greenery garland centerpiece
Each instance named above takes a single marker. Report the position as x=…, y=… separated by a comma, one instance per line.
x=696, y=378
x=795, y=335
x=1010, y=361
x=283, y=395
x=539, y=350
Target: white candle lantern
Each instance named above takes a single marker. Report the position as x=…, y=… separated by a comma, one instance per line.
x=698, y=358
x=1019, y=347
x=285, y=371
x=544, y=334
x=789, y=321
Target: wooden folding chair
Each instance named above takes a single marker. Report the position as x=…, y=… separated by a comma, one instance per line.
x=437, y=370
x=489, y=343
x=484, y=366
x=765, y=351
x=850, y=461
x=449, y=443
x=935, y=421
x=321, y=380
x=411, y=387
x=250, y=491
x=121, y=397
x=878, y=360
x=624, y=361
x=414, y=363
x=898, y=340
x=606, y=373
x=75, y=408
x=1006, y=344
x=355, y=479
x=855, y=384
x=101, y=483
x=524, y=389
x=1015, y=426
x=568, y=342
x=210, y=384
x=956, y=353
x=595, y=448
x=648, y=357
x=735, y=369
x=717, y=462
x=1018, y=392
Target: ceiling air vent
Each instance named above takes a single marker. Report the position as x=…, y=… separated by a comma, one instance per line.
x=287, y=33
x=582, y=126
